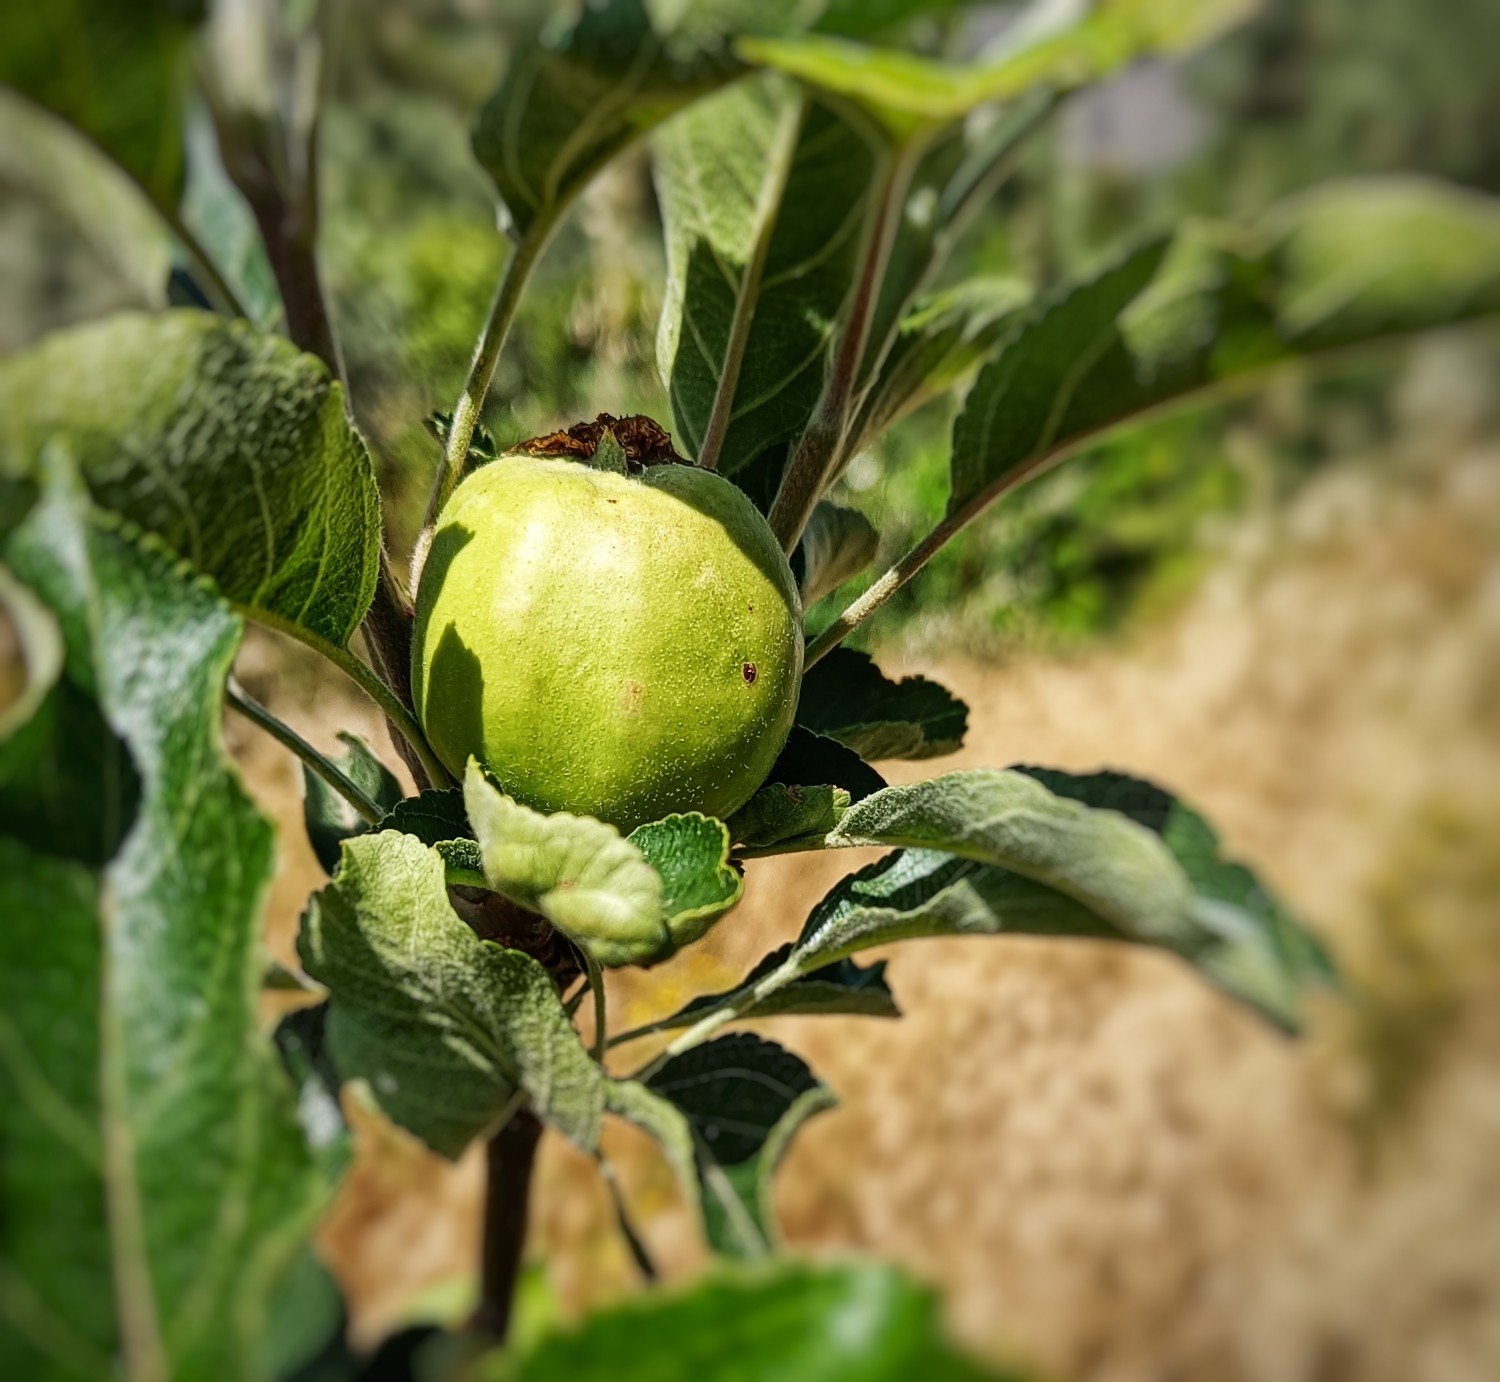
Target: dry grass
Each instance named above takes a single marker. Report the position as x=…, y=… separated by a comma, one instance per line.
x=1109, y=1169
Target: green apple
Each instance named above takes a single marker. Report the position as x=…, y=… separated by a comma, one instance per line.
x=613, y=644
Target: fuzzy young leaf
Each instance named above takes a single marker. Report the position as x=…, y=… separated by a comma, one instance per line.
x=846, y=697
x=119, y=1124
x=1346, y=263
x=1029, y=868
x=445, y=1028
x=231, y=446
x=1253, y=944
x=778, y=1321
x=330, y=819
x=838, y=544
x=570, y=102
x=712, y=169
x=1122, y=873
x=737, y=1093
x=577, y=872
x=779, y=813
x=117, y=73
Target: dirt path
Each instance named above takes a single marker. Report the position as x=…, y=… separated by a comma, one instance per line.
x=1110, y=1170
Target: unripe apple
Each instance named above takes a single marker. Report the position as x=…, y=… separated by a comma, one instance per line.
x=616, y=643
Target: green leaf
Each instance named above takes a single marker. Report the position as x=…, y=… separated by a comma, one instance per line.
x=627, y=901
x=445, y=1028
x=231, y=446
x=814, y=760
x=1265, y=949
x=571, y=101
x=846, y=697
x=116, y=72
x=1121, y=872
x=591, y=884
x=837, y=545
x=1344, y=264
x=330, y=819
x=302, y=1041
x=649, y=1111
x=216, y=212
x=717, y=174
x=1102, y=856
x=779, y=813
x=906, y=89
x=936, y=347
x=433, y=816
x=852, y=1322
x=737, y=1093
x=690, y=854
x=155, y=1180
x=842, y=987
x=34, y=634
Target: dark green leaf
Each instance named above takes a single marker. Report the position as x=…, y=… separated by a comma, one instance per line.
x=778, y=813
x=781, y=1322
x=571, y=101
x=841, y=987
x=1346, y=263
x=231, y=446
x=712, y=169
x=330, y=819
x=33, y=634
x=738, y=1093
x=432, y=816
x=814, y=760
x=302, y=1040
x=125, y=1126
x=445, y=1028
x=838, y=544
x=117, y=72
x=846, y=697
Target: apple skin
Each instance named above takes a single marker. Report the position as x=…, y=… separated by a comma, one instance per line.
x=624, y=646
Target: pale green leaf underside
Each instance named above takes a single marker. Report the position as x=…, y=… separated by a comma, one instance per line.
x=906, y=88
x=156, y=1181
x=233, y=447
x=1347, y=263
x=443, y=1027
x=627, y=901
x=838, y=544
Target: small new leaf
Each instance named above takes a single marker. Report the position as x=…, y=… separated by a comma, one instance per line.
x=847, y=697
x=837, y=545
x=690, y=855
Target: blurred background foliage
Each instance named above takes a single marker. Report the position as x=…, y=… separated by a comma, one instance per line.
x=411, y=253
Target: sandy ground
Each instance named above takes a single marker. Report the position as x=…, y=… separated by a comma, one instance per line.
x=1111, y=1171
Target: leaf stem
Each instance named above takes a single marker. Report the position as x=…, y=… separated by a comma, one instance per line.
x=369, y=681
x=219, y=286
x=601, y=1016
x=285, y=735
x=767, y=212
x=638, y=1252
x=482, y=368
x=813, y=462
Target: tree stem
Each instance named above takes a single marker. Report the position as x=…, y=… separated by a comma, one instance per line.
x=284, y=734
x=601, y=1022
x=812, y=464
x=509, y=1158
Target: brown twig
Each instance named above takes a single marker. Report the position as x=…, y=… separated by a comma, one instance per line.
x=509, y=1159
